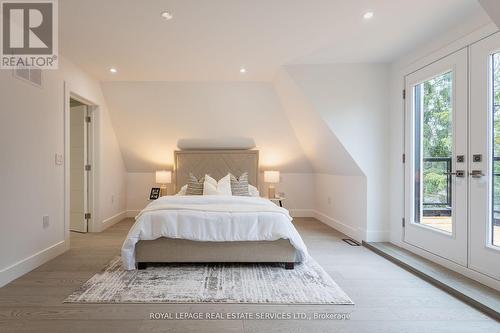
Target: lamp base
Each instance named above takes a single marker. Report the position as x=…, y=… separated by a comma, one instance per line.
x=163, y=190
x=271, y=192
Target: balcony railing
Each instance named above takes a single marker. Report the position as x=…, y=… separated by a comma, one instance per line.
x=438, y=201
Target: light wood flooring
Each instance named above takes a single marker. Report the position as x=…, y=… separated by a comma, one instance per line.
x=388, y=298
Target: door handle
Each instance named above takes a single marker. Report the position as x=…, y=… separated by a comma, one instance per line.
x=476, y=173
x=458, y=173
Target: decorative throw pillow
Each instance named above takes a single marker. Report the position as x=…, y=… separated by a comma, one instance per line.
x=194, y=185
x=182, y=190
x=209, y=189
x=213, y=187
x=253, y=191
x=239, y=186
x=210, y=180
x=224, y=185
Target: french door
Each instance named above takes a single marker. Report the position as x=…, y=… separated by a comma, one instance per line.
x=452, y=149
x=435, y=166
x=484, y=184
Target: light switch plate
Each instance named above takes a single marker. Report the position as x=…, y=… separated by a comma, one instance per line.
x=45, y=221
x=59, y=159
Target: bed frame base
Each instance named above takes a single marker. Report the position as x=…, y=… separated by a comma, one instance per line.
x=168, y=250
x=143, y=265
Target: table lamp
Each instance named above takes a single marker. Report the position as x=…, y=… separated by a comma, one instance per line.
x=271, y=177
x=163, y=177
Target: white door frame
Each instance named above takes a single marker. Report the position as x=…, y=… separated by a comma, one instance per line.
x=70, y=93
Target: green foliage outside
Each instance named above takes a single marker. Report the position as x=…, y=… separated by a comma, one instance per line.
x=496, y=132
x=437, y=135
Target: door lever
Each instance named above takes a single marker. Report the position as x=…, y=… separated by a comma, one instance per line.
x=476, y=173
x=458, y=173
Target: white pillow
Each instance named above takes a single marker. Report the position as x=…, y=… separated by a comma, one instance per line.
x=183, y=190
x=224, y=185
x=210, y=180
x=213, y=187
x=254, y=192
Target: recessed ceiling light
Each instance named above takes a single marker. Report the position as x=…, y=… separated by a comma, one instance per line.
x=368, y=15
x=166, y=15
x=243, y=70
x=113, y=70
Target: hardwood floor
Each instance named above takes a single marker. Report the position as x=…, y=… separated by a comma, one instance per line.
x=388, y=298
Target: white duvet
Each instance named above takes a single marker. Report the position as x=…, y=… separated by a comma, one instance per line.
x=212, y=218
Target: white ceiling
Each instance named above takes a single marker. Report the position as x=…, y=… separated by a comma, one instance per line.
x=211, y=40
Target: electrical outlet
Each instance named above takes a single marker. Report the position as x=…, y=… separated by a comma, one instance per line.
x=45, y=221
x=329, y=200
x=59, y=159
x=112, y=199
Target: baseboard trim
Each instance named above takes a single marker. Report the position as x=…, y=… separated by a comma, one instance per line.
x=377, y=236
x=337, y=225
x=133, y=212
x=28, y=264
x=113, y=220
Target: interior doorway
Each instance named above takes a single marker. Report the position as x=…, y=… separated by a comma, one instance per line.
x=80, y=166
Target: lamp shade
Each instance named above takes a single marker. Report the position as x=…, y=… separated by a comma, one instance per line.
x=163, y=177
x=272, y=177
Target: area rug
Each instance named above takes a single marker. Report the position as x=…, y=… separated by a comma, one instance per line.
x=308, y=283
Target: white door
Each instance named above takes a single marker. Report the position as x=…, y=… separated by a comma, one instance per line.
x=78, y=174
x=436, y=158
x=484, y=157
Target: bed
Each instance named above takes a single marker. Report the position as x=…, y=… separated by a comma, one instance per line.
x=213, y=229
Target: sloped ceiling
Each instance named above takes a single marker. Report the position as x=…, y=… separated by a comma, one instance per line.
x=492, y=7
x=150, y=117
x=322, y=147
x=351, y=100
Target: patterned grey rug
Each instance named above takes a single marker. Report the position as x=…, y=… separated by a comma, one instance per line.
x=308, y=283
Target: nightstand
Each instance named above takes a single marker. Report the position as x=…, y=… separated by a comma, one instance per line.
x=277, y=200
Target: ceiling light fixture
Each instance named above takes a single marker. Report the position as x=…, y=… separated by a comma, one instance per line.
x=113, y=70
x=243, y=70
x=166, y=15
x=368, y=15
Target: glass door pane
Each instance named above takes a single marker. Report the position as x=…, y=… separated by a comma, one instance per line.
x=495, y=214
x=433, y=152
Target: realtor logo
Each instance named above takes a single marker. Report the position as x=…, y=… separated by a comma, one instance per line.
x=29, y=34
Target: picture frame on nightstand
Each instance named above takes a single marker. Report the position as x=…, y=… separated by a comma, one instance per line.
x=155, y=193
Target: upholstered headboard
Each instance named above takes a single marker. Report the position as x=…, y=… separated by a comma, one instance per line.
x=216, y=163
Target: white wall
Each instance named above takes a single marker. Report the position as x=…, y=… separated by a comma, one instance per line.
x=150, y=117
x=341, y=202
x=31, y=133
x=339, y=113
x=110, y=174
x=352, y=99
